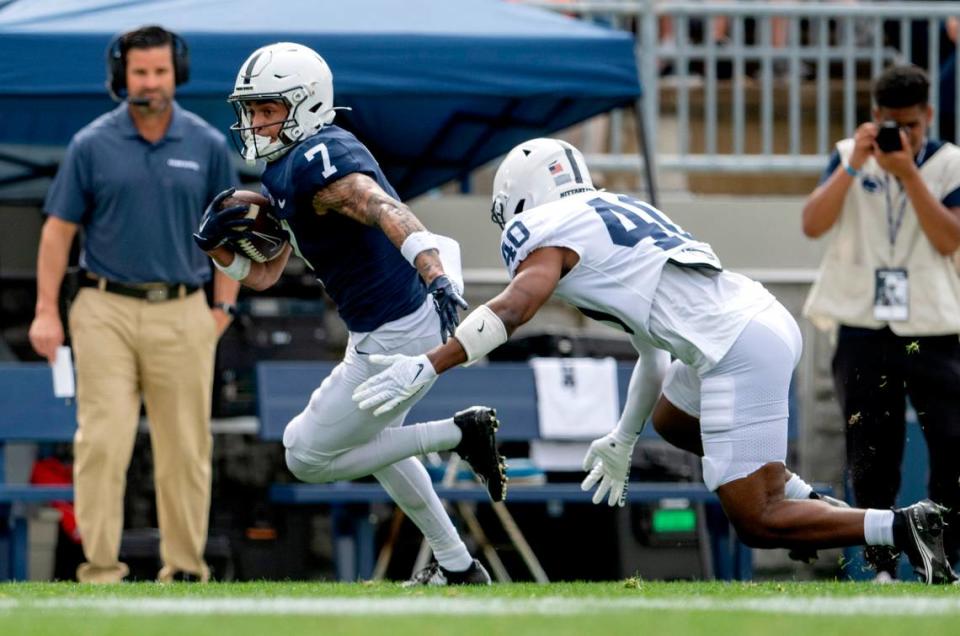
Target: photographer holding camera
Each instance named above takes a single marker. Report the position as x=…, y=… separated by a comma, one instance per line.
x=891, y=197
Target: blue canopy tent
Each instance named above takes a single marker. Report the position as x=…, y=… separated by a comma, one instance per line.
x=437, y=87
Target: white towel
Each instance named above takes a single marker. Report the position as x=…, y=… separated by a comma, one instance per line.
x=577, y=398
x=562, y=456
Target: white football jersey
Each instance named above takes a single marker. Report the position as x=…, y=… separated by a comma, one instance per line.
x=624, y=245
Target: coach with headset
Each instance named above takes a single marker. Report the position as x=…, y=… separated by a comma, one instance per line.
x=135, y=180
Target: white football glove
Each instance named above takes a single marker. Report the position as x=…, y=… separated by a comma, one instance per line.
x=608, y=461
x=401, y=380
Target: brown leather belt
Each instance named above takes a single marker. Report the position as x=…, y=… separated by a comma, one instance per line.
x=150, y=292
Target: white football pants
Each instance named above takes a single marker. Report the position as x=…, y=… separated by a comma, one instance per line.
x=743, y=401
x=333, y=440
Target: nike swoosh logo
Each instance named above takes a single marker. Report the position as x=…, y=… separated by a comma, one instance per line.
x=419, y=371
x=480, y=328
x=267, y=238
x=362, y=353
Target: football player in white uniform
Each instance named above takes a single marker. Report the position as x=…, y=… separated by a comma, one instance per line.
x=622, y=261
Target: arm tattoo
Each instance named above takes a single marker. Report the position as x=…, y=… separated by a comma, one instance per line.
x=360, y=198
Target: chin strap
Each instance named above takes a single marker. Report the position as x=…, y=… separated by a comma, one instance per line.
x=261, y=147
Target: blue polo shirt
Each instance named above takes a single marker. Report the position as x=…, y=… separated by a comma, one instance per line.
x=140, y=202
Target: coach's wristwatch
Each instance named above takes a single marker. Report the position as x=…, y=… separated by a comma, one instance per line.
x=228, y=308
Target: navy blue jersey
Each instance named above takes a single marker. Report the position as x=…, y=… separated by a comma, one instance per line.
x=360, y=268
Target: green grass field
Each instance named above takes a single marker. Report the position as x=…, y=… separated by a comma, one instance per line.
x=632, y=606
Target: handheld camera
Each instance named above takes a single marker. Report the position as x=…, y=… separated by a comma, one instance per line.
x=888, y=137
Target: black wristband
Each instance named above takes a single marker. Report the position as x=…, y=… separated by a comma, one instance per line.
x=228, y=308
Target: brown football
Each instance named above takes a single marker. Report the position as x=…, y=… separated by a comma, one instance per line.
x=265, y=239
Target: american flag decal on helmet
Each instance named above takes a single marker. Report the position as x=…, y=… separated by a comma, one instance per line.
x=560, y=176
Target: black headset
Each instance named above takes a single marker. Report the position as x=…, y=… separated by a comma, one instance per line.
x=117, y=63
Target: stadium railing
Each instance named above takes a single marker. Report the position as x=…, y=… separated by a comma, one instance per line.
x=772, y=52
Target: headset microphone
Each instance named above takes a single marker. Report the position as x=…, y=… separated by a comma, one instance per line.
x=138, y=101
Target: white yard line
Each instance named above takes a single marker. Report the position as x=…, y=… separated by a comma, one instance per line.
x=555, y=605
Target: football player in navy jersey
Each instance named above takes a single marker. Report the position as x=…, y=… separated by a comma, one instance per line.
x=383, y=270
x=624, y=262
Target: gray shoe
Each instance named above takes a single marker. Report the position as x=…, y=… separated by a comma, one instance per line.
x=435, y=574
x=478, y=446
x=924, y=542
x=809, y=555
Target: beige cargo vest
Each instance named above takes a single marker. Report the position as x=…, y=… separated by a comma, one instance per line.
x=859, y=244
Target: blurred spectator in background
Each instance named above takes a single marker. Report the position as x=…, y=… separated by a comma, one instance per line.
x=895, y=215
x=698, y=29
x=942, y=67
x=718, y=29
x=136, y=180
x=948, y=82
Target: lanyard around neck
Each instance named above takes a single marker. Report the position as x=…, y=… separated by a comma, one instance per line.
x=895, y=221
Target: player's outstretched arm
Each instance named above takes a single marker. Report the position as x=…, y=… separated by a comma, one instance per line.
x=482, y=331
x=646, y=382
x=608, y=459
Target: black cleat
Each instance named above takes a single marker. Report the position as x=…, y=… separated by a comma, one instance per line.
x=435, y=574
x=809, y=555
x=885, y=561
x=923, y=542
x=478, y=446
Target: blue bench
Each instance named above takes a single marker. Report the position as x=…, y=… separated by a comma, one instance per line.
x=28, y=413
x=283, y=389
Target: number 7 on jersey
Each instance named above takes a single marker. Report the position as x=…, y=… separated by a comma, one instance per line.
x=321, y=149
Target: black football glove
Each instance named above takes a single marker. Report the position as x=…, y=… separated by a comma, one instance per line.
x=445, y=301
x=218, y=225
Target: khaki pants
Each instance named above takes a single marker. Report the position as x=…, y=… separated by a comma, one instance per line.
x=127, y=347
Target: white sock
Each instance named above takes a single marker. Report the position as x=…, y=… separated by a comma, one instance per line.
x=410, y=487
x=796, y=488
x=878, y=527
x=437, y=436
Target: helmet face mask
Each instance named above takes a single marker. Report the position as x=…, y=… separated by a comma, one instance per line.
x=246, y=137
x=535, y=172
x=293, y=75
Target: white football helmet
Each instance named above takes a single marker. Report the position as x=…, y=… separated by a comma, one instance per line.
x=287, y=72
x=536, y=172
